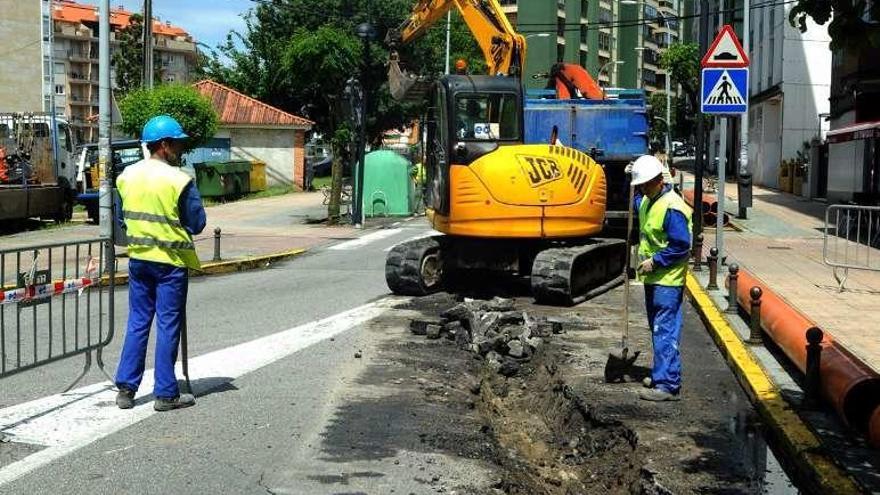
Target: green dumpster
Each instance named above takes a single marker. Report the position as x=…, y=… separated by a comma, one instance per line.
x=388, y=186
x=223, y=179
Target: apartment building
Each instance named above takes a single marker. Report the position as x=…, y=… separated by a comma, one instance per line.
x=595, y=34
x=21, y=39
x=75, y=64
x=789, y=88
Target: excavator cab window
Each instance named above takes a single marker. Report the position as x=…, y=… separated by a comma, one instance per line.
x=437, y=153
x=487, y=117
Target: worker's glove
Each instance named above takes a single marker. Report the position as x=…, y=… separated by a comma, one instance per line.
x=647, y=266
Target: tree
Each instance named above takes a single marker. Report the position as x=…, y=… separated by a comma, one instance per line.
x=128, y=59
x=853, y=22
x=194, y=111
x=278, y=64
x=682, y=62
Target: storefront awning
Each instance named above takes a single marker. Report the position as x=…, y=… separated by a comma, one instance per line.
x=865, y=130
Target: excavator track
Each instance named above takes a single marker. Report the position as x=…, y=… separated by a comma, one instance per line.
x=570, y=275
x=415, y=268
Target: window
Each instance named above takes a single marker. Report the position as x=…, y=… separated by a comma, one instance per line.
x=59, y=68
x=583, y=58
x=487, y=117
x=771, y=58
x=604, y=41
x=584, y=34
x=59, y=89
x=560, y=26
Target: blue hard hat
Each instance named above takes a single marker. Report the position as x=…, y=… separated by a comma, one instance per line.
x=162, y=127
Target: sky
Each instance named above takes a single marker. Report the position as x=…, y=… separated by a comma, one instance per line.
x=207, y=21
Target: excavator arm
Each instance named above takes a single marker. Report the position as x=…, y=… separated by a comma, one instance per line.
x=503, y=48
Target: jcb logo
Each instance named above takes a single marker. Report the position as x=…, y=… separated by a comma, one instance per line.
x=540, y=170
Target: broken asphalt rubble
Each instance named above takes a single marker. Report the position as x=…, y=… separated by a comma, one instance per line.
x=493, y=329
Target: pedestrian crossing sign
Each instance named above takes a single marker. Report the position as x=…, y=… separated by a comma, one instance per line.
x=725, y=91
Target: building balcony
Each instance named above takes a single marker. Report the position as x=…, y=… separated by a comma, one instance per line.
x=585, y=47
x=604, y=52
x=175, y=45
x=82, y=101
x=82, y=80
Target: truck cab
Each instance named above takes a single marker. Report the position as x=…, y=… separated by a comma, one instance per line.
x=37, y=168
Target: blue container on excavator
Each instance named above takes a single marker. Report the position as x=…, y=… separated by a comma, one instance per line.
x=614, y=131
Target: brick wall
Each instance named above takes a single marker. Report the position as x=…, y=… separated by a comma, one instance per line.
x=299, y=160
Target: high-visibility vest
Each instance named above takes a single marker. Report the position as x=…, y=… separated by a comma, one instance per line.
x=150, y=190
x=653, y=238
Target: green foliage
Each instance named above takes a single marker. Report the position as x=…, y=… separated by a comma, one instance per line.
x=682, y=61
x=194, y=111
x=853, y=22
x=297, y=54
x=128, y=58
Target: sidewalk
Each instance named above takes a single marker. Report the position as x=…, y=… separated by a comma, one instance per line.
x=781, y=244
x=251, y=228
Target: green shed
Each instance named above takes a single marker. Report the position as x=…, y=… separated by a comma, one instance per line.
x=388, y=187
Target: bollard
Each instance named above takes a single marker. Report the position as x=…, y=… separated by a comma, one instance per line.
x=698, y=253
x=755, y=337
x=813, y=378
x=732, y=306
x=713, y=269
x=217, y=244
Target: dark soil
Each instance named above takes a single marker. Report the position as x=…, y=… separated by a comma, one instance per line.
x=555, y=427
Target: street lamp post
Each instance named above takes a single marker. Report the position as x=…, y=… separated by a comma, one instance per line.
x=602, y=69
x=366, y=33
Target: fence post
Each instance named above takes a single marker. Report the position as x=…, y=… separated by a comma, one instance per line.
x=713, y=269
x=732, y=305
x=698, y=253
x=755, y=337
x=217, y=244
x=813, y=377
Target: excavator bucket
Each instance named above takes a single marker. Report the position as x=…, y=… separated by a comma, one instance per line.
x=403, y=86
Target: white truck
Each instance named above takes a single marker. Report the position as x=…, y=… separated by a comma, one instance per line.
x=37, y=168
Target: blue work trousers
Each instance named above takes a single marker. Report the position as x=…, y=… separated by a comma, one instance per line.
x=665, y=318
x=153, y=289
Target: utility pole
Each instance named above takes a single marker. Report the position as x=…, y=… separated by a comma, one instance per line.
x=700, y=159
x=105, y=161
x=148, y=44
x=366, y=32
x=745, y=178
x=448, y=42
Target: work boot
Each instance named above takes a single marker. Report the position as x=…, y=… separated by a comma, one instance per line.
x=658, y=395
x=179, y=402
x=647, y=382
x=125, y=398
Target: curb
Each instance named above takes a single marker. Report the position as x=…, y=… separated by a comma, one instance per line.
x=801, y=447
x=225, y=267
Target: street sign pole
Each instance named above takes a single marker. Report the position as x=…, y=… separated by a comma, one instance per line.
x=722, y=175
x=701, y=154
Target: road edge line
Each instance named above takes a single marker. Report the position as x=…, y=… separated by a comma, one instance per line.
x=226, y=267
x=802, y=447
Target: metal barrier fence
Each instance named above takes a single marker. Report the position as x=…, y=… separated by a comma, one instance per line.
x=54, y=305
x=851, y=240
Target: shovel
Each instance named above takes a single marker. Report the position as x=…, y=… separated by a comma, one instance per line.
x=184, y=355
x=621, y=360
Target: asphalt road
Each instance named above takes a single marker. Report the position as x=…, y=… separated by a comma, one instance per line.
x=284, y=405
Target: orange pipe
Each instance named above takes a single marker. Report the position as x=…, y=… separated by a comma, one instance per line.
x=710, y=207
x=874, y=428
x=851, y=387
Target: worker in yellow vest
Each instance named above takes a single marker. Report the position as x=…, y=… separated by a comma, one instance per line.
x=664, y=246
x=160, y=211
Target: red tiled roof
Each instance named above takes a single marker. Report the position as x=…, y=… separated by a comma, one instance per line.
x=70, y=11
x=237, y=108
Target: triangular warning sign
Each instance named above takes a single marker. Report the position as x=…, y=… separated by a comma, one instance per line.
x=724, y=92
x=726, y=51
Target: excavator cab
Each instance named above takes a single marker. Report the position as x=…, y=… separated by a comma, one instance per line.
x=468, y=118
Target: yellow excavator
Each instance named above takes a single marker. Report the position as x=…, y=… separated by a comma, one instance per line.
x=501, y=205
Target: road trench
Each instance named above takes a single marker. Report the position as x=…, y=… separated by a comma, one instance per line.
x=534, y=382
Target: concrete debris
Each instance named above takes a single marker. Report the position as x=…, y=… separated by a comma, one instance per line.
x=433, y=331
x=358, y=355
x=494, y=330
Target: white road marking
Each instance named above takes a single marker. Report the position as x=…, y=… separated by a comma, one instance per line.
x=66, y=422
x=365, y=239
x=428, y=233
